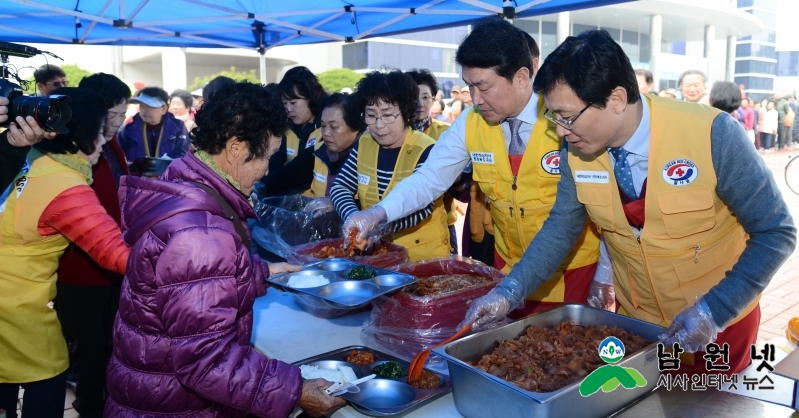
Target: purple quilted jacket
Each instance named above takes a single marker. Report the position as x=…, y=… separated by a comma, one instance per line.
x=181, y=337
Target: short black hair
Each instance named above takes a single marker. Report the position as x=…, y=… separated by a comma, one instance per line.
x=452, y=104
x=301, y=83
x=184, y=96
x=155, y=92
x=422, y=76
x=592, y=64
x=215, y=85
x=725, y=96
x=646, y=74
x=113, y=90
x=495, y=43
x=88, y=117
x=394, y=87
x=48, y=72
x=689, y=72
x=274, y=90
x=532, y=45
x=243, y=110
x=349, y=110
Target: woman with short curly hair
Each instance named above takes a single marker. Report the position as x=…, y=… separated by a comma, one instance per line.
x=182, y=336
x=389, y=152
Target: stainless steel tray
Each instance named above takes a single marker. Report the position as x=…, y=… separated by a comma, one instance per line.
x=380, y=397
x=479, y=394
x=340, y=292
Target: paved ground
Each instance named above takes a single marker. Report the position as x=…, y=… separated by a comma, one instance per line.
x=780, y=301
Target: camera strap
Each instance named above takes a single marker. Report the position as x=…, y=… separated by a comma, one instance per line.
x=147, y=140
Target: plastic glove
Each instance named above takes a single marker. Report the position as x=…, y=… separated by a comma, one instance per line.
x=601, y=296
x=490, y=308
x=368, y=223
x=693, y=328
x=319, y=206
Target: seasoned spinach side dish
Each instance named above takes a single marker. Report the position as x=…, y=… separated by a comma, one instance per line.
x=361, y=273
x=389, y=370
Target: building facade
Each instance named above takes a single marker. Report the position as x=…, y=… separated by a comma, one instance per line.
x=756, y=55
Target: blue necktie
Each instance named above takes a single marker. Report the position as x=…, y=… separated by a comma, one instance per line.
x=624, y=176
x=516, y=144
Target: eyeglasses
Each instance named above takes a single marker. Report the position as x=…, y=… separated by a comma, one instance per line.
x=566, y=123
x=387, y=119
x=58, y=83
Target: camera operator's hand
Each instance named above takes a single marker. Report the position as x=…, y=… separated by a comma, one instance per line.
x=3, y=109
x=25, y=132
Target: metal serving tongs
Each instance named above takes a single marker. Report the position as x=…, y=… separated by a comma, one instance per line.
x=417, y=364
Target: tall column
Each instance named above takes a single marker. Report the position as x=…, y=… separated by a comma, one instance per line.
x=564, y=28
x=117, y=61
x=732, y=41
x=655, y=41
x=710, y=37
x=173, y=66
x=262, y=67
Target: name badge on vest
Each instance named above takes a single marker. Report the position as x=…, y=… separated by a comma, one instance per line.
x=363, y=179
x=680, y=172
x=483, y=157
x=583, y=176
x=291, y=152
x=319, y=177
x=311, y=142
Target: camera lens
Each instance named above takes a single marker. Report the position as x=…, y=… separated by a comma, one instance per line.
x=51, y=112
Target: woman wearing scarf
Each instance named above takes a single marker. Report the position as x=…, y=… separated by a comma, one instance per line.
x=49, y=205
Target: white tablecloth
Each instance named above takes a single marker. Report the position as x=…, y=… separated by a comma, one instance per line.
x=283, y=331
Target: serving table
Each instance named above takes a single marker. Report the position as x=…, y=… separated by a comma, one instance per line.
x=283, y=331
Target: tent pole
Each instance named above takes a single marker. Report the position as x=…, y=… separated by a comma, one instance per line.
x=262, y=57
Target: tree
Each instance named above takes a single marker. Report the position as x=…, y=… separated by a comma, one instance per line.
x=250, y=76
x=335, y=80
x=74, y=75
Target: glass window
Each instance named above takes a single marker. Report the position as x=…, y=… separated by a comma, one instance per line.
x=753, y=66
x=435, y=60
x=578, y=28
x=529, y=26
x=448, y=61
x=788, y=63
x=391, y=57
x=678, y=48
x=769, y=19
x=614, y=33
x=756, y=83
x=355, y=56
x=755, y=50
x=629, y=43
x=745, y=3
x=549, y=38
x=646, y=49
x=767, y=35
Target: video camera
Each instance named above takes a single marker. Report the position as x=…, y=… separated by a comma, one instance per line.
x=51, y=112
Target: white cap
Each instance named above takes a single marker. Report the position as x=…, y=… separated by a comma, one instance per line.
x=198, y=93
x=148, y=100
x=346, y=90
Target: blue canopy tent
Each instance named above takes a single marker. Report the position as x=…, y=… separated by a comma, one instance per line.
x=252, y=24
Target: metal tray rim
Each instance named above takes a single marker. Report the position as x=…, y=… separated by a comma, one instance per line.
x=431, y=394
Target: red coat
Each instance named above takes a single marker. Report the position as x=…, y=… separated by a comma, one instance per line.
x=76, y=267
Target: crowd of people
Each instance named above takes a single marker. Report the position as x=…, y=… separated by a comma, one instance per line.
x=143, y=287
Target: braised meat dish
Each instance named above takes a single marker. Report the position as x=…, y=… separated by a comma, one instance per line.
x=439, y=285
x=426, y=380
x=547, y=359
x=360, y=357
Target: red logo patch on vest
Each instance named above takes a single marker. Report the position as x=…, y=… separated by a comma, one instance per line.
x=551, y=162
x=680, y=172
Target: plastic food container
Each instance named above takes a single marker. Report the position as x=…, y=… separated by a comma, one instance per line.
x=303, y=254
x=404, y=324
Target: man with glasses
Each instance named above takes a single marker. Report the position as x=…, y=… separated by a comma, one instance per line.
x=515, y=153
x=48, y=78
x=692, y=219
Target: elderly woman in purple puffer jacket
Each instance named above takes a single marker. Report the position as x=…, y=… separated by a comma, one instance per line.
x=181, y=337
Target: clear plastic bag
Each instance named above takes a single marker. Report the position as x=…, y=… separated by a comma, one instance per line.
x=404, y=324
x=303, y=254
x=283, y=224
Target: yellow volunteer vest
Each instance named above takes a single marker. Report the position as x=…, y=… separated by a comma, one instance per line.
x=690, y=238
x=520, y=204
x=429, y=238
x=320, y=178
x=32, y=346
x=434, y=131
x=293, y=143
